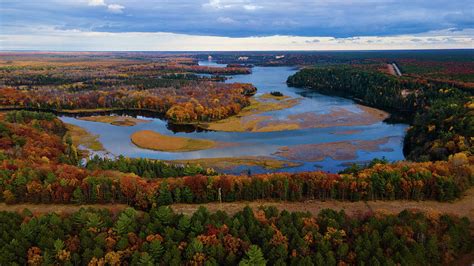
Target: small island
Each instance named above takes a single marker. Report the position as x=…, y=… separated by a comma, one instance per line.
x=276, y=94
x=148, y=139
x=116, y=120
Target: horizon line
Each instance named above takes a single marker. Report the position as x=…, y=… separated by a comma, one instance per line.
x=213, y=51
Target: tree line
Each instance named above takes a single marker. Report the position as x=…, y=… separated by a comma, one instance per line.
x=145, y=167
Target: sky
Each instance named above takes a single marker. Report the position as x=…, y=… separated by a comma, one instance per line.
x=230, y=25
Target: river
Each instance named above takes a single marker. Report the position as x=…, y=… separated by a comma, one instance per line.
x=116, y=139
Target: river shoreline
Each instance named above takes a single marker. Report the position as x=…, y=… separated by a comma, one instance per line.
x=315, y=119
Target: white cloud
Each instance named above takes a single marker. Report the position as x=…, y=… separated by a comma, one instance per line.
x=96, y=2
x=226, y=4
x=251, y=7
x=216, y=4
x=42, y=38
x=114, y=8
x=226, y=20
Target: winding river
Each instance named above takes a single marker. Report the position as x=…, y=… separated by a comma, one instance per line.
x=116, y=139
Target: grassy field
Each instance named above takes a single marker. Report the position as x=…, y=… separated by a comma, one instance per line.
x=148, y=139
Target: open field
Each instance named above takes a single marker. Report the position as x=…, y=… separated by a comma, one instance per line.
x=461, y=207
x=148, y=139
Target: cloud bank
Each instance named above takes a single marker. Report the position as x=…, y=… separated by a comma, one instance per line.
x=226, y=24
x=77, y=40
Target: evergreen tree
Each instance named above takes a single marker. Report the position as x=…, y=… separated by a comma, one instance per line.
x=254, y=257
x=78, y=196
x=164, y=197
x=146, y=259
x=126, y=221
x=156, y=250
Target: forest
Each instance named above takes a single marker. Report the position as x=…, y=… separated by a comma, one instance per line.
x=39, y=164
x=169, y=88
x=443, y=122
x=249, y=237
x=188, y=104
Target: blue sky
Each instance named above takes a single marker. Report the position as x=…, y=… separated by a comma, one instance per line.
x=230, y=24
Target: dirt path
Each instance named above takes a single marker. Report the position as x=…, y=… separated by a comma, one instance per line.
x=394, y=70
x=462, y=207
x=391, y=70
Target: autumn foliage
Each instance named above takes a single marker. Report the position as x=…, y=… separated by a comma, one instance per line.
x=37, y=164
x=206, y=102
x=165, y=86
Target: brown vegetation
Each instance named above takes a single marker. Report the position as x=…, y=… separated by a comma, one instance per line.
x=148, y=139
x=81, y=137
x=249, y=118
x=124, y=121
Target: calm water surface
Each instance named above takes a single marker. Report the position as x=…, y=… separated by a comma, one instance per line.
x=117, y=139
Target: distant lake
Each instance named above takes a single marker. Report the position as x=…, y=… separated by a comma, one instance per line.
x=267, y=79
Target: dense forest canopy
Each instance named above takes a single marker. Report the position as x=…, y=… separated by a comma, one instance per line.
x=205, y=102
x=169, y=88
x=249, y=237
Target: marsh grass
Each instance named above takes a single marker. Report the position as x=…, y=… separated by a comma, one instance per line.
x=123, y=121
x=81, y=137
x=148, y=139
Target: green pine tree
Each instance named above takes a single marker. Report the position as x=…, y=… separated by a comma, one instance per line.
x=254, y=257
x=156, y=250
x=146, y=259
x=165, y=198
